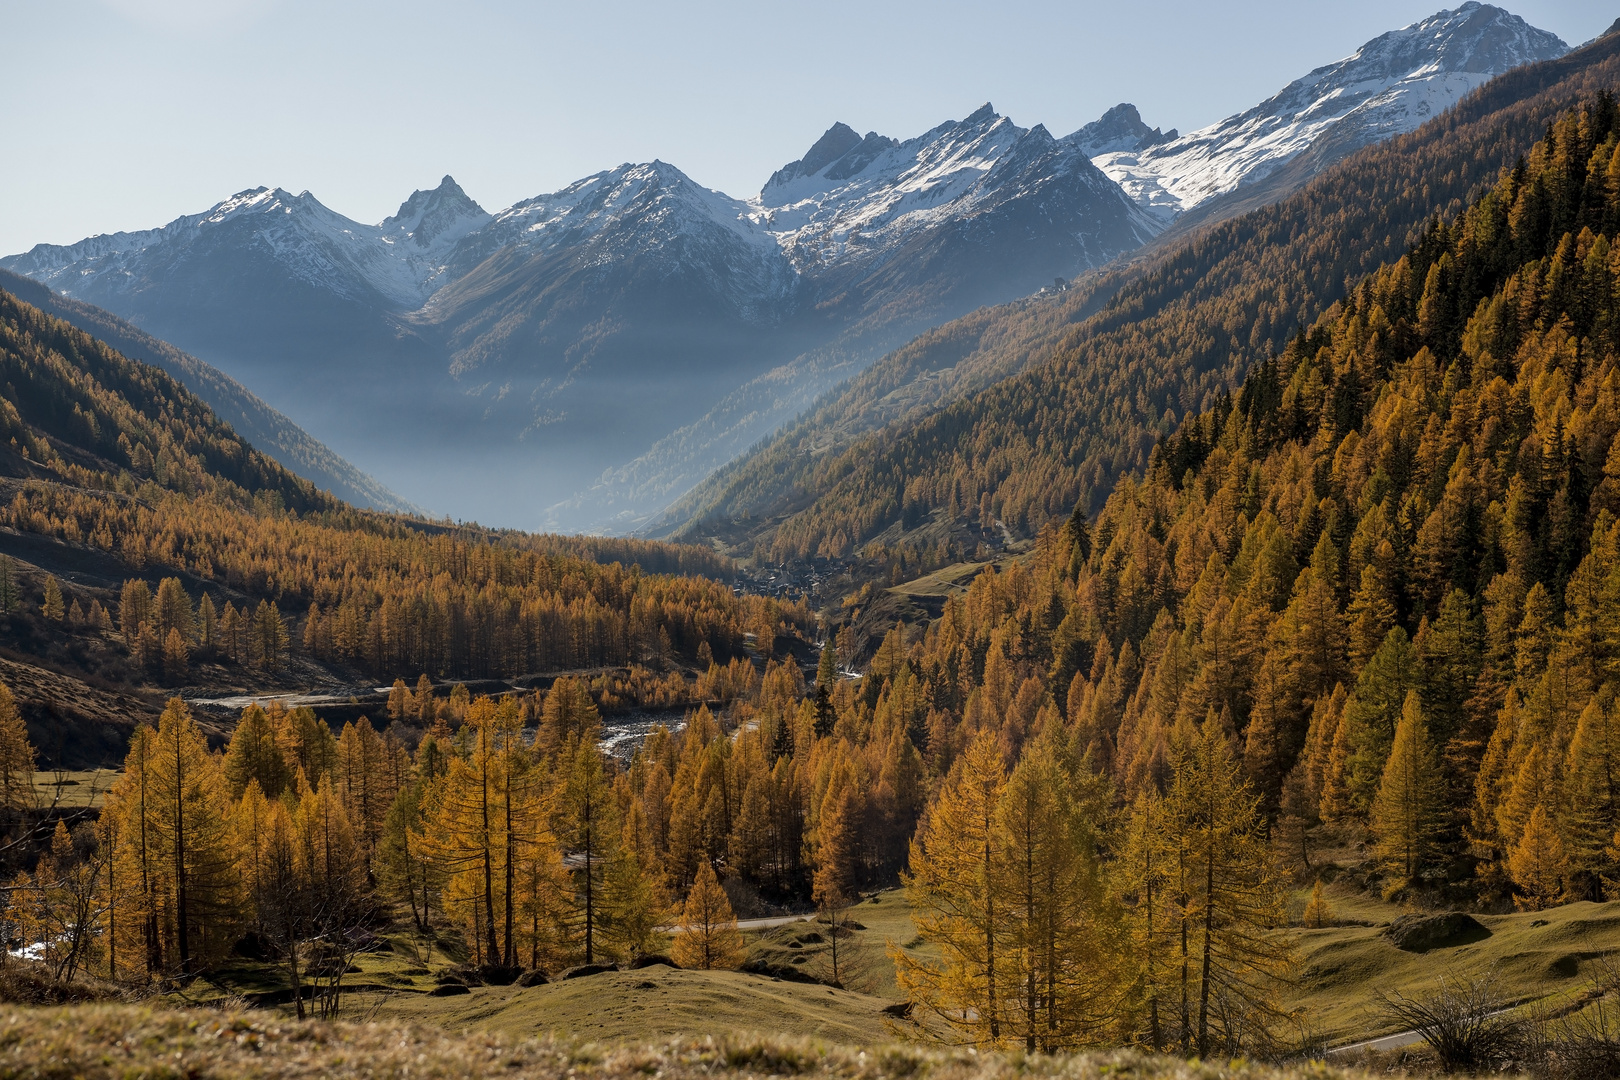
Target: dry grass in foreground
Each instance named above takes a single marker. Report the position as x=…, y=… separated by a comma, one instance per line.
x=126, y=1041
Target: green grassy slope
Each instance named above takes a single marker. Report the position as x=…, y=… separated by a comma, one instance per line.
x=628, y=1006
x=1544, y=956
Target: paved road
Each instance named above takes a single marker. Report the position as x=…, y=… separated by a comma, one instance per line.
x=778, y=920
x=1387, y=1042
x=753, y=924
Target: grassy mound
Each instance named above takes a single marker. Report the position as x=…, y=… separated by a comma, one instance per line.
x=23, y=982
x=1549, y=957
x=652, y=1004
x=114, y=1042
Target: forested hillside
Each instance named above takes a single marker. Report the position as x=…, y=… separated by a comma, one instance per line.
x=1388, y=567
x=1370, y=598
x=267, y=429
x=122, y=473
x=75, y=407
x=1175, y=336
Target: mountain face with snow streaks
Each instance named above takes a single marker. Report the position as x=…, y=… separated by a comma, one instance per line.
x=1389, y=86
x=889, y=238
x=842, y=216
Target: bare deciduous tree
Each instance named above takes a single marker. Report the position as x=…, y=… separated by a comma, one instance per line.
x=1464, y=1020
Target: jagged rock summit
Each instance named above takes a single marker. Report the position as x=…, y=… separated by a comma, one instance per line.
x=850, y=203
x=398, y=262
x=1119, y=130
x=442, y=215
x=835, y=144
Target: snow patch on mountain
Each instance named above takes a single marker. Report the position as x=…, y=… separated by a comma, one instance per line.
x=1390, y=85
x=658, y=197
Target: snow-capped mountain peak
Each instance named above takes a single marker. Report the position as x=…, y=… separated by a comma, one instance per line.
x=401, y=260
x=834, y=144
x=646, y=215
x=1119, y=129
x=654, y=196
x=1390, y=85
x=437, y=217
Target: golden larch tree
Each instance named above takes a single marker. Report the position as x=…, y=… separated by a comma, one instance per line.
x=707, y=936
x=1537, y=864
x=52, y=605
x=1058, y=965
x=1318, y=912
x=1228, y=893
x=953, y=891
x=588, y=827
x=1406, y=811
x=173, y=814
x=254, y=756
x=17, y=757
x=463, y=831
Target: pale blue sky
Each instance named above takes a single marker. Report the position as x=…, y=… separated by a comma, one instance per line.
x=123, y=114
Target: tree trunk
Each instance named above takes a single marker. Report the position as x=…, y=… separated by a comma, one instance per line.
x=181, y=899
x=489, y=871
x=149, y=929
x=590, y=897
x=292, y=968
x=1154, y=1034
x=1031, y=980
x=1209, y=933
x=990, y=925
x=1186, y=963
x=510, y=956
x=112, y=904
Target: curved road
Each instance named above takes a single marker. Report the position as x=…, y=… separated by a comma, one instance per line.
x=1386, y=1042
